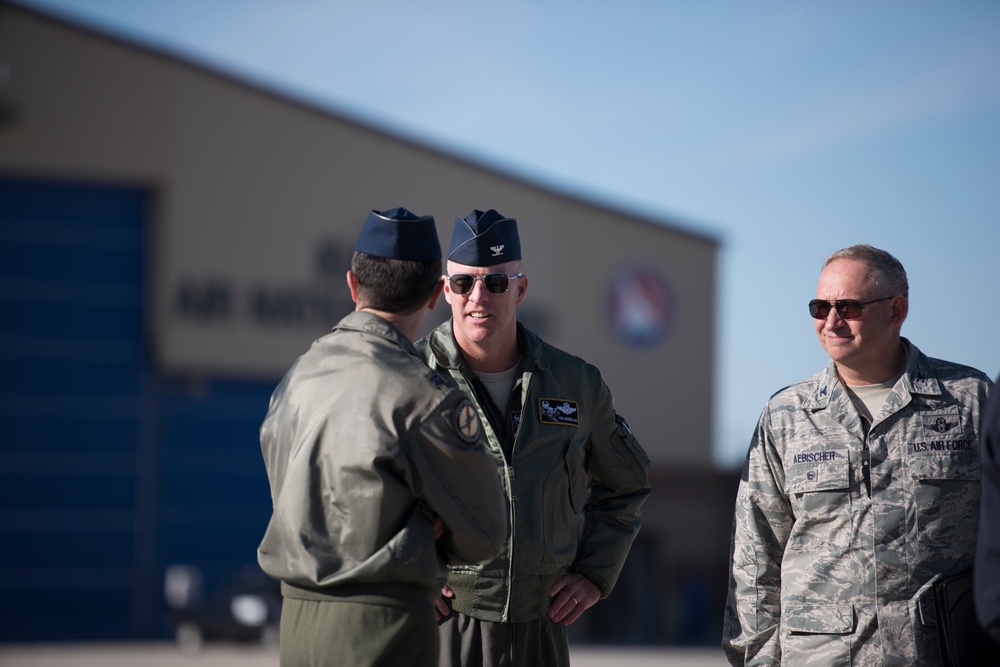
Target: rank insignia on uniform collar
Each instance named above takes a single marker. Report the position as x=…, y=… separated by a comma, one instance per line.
x=558, y=411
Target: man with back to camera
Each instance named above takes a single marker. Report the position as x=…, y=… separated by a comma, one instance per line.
x=860, y=490
x=574, y=474
x=377, y=471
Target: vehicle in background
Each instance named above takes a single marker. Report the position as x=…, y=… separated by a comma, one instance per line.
x=246, y=609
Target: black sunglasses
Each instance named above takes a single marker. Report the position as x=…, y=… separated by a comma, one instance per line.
x=496, y=283
x=848, y=309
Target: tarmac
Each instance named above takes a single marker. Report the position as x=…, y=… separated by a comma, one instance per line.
x=165, y=654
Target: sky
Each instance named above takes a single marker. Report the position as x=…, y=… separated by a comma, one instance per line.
x=785, y=130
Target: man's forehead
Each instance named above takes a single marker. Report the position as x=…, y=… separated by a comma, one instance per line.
x=506, y=267
x=845, y=276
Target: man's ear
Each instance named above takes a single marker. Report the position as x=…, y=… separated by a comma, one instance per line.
x=900, y=309
x=447, y=289
x=522, y=289
x=352, y=284
x=438, y=288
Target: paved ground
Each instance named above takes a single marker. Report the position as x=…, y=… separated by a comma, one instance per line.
x=167, y=655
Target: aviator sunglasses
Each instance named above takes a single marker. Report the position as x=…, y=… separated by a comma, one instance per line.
x=848, y=309
x=496, y=283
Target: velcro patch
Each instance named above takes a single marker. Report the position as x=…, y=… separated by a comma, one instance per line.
x=940, y=423
x=558, y=411
x=467, y=421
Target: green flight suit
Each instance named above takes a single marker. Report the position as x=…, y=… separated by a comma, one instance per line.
x=574, y=475
x=364, y=445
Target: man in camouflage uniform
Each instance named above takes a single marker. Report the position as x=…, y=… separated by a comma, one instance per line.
x=860, y=489
x=378, y=475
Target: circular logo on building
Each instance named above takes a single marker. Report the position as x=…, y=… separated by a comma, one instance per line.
x=640, y=306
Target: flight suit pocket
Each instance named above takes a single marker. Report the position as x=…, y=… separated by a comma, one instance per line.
x=564, y=496
x=817, y=634
x=577, y=475
x=631, y=451
x=818, y=485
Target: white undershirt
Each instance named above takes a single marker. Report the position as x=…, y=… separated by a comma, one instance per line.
x=499, y=384
x=868, y=398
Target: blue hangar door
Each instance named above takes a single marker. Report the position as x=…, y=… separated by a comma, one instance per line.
x=76, y=482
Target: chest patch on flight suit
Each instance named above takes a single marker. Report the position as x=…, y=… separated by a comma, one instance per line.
x=558, y=411
x=467, y=421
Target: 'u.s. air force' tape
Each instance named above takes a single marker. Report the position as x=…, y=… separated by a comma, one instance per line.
x=467, y=421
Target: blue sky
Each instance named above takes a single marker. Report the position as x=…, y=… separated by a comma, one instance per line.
x=786, y=130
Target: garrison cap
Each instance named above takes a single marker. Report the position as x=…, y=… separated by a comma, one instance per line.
x=399, y=234
x=484, y=239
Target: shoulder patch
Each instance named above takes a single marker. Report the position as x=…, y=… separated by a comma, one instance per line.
x=558, y=411
x=467, y=421
x=621, y=421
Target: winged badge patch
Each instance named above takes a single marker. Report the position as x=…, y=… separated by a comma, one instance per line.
x=940, y=423
x=558, y=411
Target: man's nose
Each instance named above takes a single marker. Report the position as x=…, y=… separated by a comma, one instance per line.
x=479, y=292
x=833, y=319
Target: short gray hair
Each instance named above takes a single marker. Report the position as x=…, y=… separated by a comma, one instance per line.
x=885, y=272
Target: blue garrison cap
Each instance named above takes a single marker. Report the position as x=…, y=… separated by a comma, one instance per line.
x=399, y=234
x=484, y=239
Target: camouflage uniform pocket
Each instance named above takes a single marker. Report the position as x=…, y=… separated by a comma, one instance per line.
x=820, y=493
x=946, y=490
x=817, y=634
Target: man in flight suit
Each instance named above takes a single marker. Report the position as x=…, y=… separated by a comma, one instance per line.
x=378, y=476
x=860, y=488
x=574, y=474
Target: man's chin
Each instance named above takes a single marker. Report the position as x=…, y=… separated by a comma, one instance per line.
x=477, y=330
x=844, y=355
x=836, y=347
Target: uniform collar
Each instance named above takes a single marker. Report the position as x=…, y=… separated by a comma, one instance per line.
x=918, y=378
x=374, y=325
x=445, y=349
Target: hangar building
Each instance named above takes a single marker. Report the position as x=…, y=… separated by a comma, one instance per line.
x=172, y=237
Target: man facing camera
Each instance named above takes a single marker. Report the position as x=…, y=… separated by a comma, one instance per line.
x=860, y=489
x=574, y=475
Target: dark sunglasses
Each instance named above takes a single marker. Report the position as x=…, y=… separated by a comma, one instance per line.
x=848, y=309
x=496, y=283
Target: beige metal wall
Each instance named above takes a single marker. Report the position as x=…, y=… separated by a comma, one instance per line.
x=259, y=199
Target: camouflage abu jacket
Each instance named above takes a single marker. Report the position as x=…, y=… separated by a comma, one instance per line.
x=575, y=478
x=839, y=537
